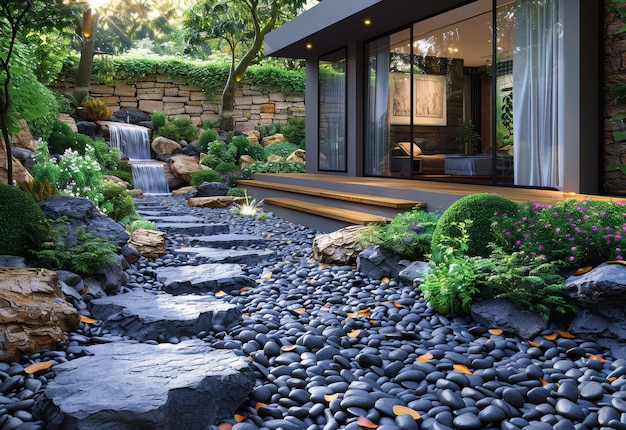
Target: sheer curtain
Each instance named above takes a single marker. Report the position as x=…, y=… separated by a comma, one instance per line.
x=377, y=130
x=537, y=90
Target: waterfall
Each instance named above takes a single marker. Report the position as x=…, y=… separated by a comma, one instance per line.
x=132, y=140
x=149, y=177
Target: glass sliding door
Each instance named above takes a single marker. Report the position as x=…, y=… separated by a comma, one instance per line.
x=332, y=112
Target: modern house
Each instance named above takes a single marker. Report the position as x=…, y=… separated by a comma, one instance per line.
x=502, y=94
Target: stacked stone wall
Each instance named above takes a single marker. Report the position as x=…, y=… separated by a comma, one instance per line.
x=254, y=106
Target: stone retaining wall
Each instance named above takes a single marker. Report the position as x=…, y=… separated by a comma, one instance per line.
x=253, y=106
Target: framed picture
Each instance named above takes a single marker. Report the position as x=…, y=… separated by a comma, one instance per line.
x=429, y=101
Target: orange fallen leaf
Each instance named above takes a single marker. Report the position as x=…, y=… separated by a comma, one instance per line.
x=300, y=310
x=220, y=293
x=312, y=261
x=543, y=382
x=352, y=314
x=225, y=426
x=244, y=289
x=462, y=368
x=330, y=397
x=259, y=405
x=364, y=312
x=405, y=410
x=566, y=334
x=36, y=367
x=597, y=358
x=87, y=320
x=325, y=308
x=267, y=275
x=366, y=423
x=397, y=305
x=424, y=357
x=495, y=331
x=354, y=333
x=385, y=280
x=240, y=417
x=616, y=262
x=551, y=336
x=288, y=348
x=84, y=290
x=532, y=343
x=323, y=266
x=582, y=270
x=612, y=379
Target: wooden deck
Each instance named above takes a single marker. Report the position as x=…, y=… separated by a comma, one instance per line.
x=330, y=202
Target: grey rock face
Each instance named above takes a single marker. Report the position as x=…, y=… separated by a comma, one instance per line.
x=210, y=189
x=147, y=316
x=509, y=317
x=126, y=386
x=202, y=278
x=377, y=263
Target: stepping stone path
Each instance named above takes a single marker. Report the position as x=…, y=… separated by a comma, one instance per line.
x=171, y=379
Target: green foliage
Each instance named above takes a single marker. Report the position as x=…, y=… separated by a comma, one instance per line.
x=226, y=167
x=220, y=152
x=236, y=192
x=178, y=130
x=575, y=233
x=107, y=157
x=481, y=209
x=62, y=137
x=295, y=131
x=22, y=223
x=117, y=201
x=282, y=149
x=95, y=110
x=408, y=235
x=206, y=137
x=38, y=190
x=83, y=254
x=203, y=175
x=159, y=119
x=275, y=167
x=245, y=147
x=141, y=224
x=270, y=129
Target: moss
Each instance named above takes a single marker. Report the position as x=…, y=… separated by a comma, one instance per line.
x=23, y=224
x=480, y=209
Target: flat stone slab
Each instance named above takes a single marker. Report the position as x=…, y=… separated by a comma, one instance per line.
x=218, y=255
x=147, y=316
x=126, y=386
x=192, y=228
x=158, y=219
x=229, y=240
x=203, y=278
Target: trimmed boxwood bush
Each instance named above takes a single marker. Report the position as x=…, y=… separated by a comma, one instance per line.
x=480, y=209
x=23, y=224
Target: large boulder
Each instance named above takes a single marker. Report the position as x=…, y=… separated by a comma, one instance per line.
x=149, y=243
x=378, y=263
x=299, y=156
x=163, y=145
x=339, y=247
x=182, y=166
x=509, y=317
x=20, y=174
x=34, y=315
x=278, y=137
x=211, y=189
x=131, y=116
x=215, y=202
x=24, y=138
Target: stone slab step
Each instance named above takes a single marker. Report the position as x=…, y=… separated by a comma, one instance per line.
x=229, y=240
x=203, y=278
x=127, y=386
x=192, y=228
x=174, y=219
x=217, y=255
x=147, y=316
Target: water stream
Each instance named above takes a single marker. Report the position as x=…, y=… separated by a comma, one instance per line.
x=134, y=142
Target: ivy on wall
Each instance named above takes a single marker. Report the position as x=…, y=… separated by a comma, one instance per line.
x=210, y=77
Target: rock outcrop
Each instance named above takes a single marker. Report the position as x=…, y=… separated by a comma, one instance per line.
x=340, y=247
x=34, y=313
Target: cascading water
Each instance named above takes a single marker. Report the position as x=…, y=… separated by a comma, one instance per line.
x=134, y=142
x=149, y=177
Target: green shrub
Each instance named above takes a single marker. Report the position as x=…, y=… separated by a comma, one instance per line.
x=225, y=167
x=295, y=131
x=178, y=130
x=245, y=147
x=481, y=209
x=61, y=138
x=282, y=149
x=275, y=167
x=38, y=190
x=141, y=224
x=408, y=235
x=22, y=223
x=159, y=118
x=117, y=201
x=208, y=135
x=236, y=192
x=203, y=175
x=220, y=152
x=107, y=157
x=269, y=129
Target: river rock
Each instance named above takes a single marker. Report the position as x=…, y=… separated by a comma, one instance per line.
x=147, y=316
x=183, y=166
x=127, y=386
x=276, y=137
x=342, y=246
x=508, y=316
x=163, y=145
x=34, y=313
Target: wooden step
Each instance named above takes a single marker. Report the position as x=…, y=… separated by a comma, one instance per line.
x=345, y=215
x=389, y=202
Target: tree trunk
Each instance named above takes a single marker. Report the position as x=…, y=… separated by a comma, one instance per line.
x=83, y=74
x=227, y=122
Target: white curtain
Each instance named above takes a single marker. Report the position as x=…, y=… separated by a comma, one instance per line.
x=377, y=133
x=537, y=90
